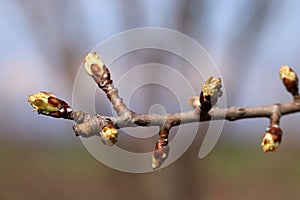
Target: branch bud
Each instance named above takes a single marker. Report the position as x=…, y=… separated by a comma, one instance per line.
x=289, y=79
x=109, y=134
x=160, y=153
x=94, y=66
x=272, y=138
x=92, y=61
x=210, y=93
x=47, y=104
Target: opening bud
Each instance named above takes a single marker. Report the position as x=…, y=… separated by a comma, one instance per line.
x=48, y=104
x=93, y=64
x=109, y=134
x=272, y=138
x=210, y=93
x=160, y=153
x=289, y=79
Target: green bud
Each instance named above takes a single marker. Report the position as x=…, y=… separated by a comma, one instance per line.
x=93, y=64
x=48, y=104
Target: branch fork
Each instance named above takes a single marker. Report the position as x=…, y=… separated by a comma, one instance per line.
x=204, y=109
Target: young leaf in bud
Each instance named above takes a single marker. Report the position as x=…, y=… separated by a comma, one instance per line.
x=96, y=68
x=289, y=79
x=272, y=138
x=48, y=104
x=109, y=134
x=160, y=154
x=93, y=64
x=210, y=93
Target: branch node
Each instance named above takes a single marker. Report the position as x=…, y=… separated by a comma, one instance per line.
x=90, y=126
x=204, y=109
x=276, y=115
x=140, y=121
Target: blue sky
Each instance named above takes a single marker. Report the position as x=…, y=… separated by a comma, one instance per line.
x=221, y=27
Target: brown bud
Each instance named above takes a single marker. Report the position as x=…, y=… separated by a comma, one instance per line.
x=160, y=153
x=289, y=79
x=272, y=138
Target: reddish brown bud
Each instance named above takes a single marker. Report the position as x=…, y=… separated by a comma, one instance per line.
x=289, y=79
x=272, y=138
x=160, y=153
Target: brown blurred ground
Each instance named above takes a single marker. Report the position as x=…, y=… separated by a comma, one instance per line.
x=231, y=171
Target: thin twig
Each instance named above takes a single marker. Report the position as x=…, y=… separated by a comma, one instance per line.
x=205, y=109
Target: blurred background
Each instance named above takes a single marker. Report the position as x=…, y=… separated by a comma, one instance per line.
x=42, y=45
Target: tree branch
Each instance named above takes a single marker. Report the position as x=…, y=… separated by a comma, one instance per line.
x=204, y=109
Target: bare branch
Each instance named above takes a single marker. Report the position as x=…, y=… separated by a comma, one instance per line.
x=204, y=109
